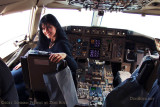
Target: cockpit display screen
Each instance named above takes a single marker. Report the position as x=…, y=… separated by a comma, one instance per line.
x=94, y=53
x=95, y=43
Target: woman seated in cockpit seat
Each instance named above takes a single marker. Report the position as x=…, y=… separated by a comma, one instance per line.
x=8, y=92
x=53, y=39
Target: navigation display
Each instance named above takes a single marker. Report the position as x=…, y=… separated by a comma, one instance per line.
x=95, y=43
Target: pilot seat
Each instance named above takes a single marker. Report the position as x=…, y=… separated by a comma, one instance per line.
x=133, y=91
x=35, y=67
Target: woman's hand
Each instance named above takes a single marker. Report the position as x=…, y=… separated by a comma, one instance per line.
x=18, y=66
x=56, y=57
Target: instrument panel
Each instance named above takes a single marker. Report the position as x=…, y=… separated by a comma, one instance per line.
x=97, y=43
x=107, y=51
x=106, y=44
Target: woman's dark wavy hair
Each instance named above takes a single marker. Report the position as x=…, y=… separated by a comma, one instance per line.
x=43, y=42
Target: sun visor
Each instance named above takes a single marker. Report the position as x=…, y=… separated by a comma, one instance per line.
x=44, y=2
x=17, y=6
x=8, y=6
x=60, y=4
x=4, y=3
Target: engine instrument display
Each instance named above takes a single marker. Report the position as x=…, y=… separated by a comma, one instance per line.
x=94, y=53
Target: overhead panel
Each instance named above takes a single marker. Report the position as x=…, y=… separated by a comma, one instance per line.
x=130, y=6
x=62, y=5
x=106, y=5
x=150, y=8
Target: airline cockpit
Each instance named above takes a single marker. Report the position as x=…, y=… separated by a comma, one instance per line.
x=79, y=56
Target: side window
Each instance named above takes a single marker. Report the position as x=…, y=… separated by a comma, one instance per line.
x=13, y=27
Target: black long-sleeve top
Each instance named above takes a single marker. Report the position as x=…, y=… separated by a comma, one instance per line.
x=62, y=46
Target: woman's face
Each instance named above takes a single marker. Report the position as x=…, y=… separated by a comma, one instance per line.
x=49, y=31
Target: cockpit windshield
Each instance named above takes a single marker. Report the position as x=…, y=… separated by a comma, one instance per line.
x=146, y=25
x=11, y=25
x=71, y=17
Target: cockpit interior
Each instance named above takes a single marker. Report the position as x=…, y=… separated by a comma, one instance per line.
x=106, y=57
x=116, y=66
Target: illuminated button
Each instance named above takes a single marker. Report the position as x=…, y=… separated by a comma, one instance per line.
x=92, y=41
x=124, y=33
x=88, y=31
x=79, y=40
x=118, y=33
x=84, y=53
